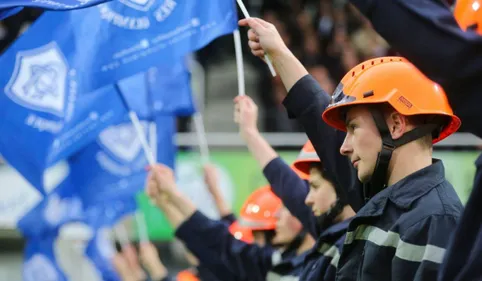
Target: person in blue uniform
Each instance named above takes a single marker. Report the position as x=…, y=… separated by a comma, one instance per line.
x=305, y=190
x=281, y=243
x=411, y=209
x=198, y=271
x=149, y=257
x=447, y=47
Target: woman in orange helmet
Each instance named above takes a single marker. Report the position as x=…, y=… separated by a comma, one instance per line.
x=258, y=214
x=327, y=201
x=320, y=205
x=391, y=114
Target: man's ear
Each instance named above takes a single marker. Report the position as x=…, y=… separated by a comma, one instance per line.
x=397, y=124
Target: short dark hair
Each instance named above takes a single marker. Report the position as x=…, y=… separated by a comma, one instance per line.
x=319, y=167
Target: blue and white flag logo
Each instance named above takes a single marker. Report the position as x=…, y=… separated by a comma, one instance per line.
x=112, y=167
x=40, y=80
x=122, y=141
x=121, y=152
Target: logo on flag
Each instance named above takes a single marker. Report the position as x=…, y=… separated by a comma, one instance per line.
x=39, y=268
x=121, y=150
x=122, y=141
x=39, y=80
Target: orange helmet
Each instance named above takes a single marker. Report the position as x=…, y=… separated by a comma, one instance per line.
x=259, y=210
x=241, y=233
x=306, y=157
x=302, y=165
x=395, y=81
x=186, y=275
x=468, y=14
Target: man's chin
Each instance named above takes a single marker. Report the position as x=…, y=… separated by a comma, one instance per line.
x=364, y=178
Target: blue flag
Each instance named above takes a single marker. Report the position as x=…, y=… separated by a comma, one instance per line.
x=135, y=92
x=11, y=7
x=101, y=251
x=40, y=263
x=160, y=90
x=100, y=217
x=113, y=167
x=171, y=90
x=50, y=4
x=123, y=38
x=44, y=118
x=108, y=214
x=61, y=206
x=166, y=146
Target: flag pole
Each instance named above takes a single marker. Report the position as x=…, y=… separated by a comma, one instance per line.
x=201, y=137
x=239, y=63
x=141, y=135
x=266, y=57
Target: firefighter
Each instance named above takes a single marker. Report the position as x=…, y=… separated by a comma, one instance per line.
x=280, y=246
x=402, y=230
x=305, y=190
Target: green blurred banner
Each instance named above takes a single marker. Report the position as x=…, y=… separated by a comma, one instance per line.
x=240, y=174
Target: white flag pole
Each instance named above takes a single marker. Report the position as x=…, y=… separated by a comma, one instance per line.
x=239, y=62
x=266, y=58
x=201, y=137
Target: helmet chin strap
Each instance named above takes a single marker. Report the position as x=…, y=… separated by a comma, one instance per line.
x=379, y=178
x=328, y=219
